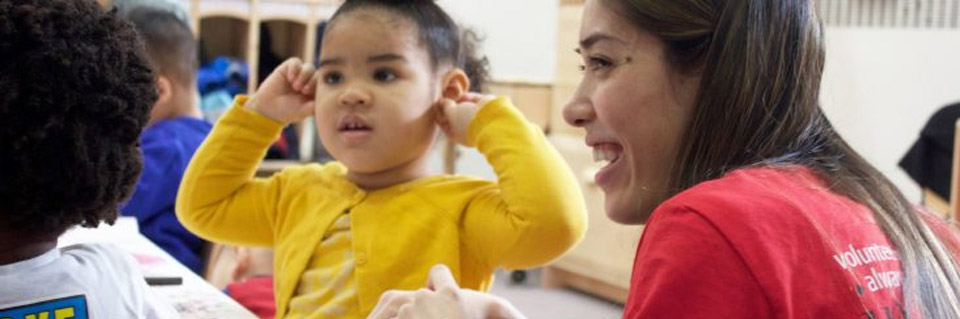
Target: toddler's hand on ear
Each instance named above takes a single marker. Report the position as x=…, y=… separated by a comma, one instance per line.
x=454, y=117
x=287, y=95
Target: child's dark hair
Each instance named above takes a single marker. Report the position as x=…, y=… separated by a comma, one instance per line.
x=169, y=42
x=442, y=38
x=75, y=92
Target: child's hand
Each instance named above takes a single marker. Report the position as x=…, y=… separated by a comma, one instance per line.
x=455, y=116
x=287, y=95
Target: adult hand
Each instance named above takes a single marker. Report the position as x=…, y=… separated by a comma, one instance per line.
x=442, y=299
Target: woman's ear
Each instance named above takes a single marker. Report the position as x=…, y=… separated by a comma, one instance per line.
x=455, y=84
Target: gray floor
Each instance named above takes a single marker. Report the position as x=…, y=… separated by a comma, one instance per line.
x=539, y=303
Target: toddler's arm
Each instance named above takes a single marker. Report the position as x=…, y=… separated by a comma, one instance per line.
x=536, y=211
x=219, y=199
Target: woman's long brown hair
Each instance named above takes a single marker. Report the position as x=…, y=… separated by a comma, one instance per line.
x=760, y=63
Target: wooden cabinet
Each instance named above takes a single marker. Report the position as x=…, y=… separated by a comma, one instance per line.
x=233, y=28
x=567, y=69
x=533, y=100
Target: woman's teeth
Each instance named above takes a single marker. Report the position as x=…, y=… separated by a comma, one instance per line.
x=605, y=153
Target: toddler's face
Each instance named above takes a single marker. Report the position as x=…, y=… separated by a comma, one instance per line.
x=375, y=94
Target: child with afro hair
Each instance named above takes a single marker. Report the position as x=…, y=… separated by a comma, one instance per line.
x=75, y=92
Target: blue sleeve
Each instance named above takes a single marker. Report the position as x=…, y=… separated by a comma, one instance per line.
x=153, y=200
x=156, y=189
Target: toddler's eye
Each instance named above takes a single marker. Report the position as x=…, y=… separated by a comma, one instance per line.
x=332, y=78
x=384, y=75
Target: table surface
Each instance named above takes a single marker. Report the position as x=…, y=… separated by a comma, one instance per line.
x=194, y=298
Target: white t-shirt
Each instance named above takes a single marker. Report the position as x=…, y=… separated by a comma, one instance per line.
x=79, y=282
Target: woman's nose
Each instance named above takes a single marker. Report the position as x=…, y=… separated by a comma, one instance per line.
x=578, y=112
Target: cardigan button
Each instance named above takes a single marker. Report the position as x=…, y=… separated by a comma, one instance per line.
x=361, y=259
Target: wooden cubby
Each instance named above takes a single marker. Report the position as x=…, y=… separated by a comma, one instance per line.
x=223, y=36
x=287, y=39
x=235, y=28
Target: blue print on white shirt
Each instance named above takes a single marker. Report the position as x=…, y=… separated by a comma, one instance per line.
x=74, y=307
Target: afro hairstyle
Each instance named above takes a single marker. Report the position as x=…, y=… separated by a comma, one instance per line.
x=76, y=93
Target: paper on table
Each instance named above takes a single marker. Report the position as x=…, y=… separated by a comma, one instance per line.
x=124, y=233
x=193, y=299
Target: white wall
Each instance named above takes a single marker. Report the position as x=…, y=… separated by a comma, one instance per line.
x=520, y=35
x=881, y=85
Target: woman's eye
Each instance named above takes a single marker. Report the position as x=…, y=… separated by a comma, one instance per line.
x=595, y=64
x=384, y=76
x=332, y=78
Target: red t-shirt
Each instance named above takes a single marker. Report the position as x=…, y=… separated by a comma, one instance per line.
x=764, y=243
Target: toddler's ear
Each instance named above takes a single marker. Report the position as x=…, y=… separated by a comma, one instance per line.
x=164, y=90
x=455, y=84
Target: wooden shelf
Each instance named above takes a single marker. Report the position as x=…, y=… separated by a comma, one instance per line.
x=233, y=28
x=532, y=99
x=224, y=36
x=556, y=276
x=239, y=9
x=567, y=75
x=289, y=38
x=306, y=11
x=285, y=10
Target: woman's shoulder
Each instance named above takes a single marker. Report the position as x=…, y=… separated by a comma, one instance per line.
x=752, y=188
x=755, y=197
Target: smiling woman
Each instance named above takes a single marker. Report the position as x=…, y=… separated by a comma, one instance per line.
x=705, y=113
x=767, y=140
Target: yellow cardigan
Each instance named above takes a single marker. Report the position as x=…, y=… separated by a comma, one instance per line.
x=533, y=214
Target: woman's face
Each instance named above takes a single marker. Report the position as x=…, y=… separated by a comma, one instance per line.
x=635, y=109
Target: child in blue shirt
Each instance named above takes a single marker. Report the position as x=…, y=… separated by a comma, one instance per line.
x=175, y=130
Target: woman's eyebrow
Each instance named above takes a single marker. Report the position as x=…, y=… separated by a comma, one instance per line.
x=593, y=39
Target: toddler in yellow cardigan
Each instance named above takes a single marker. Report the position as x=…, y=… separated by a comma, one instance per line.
x=391, y=75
